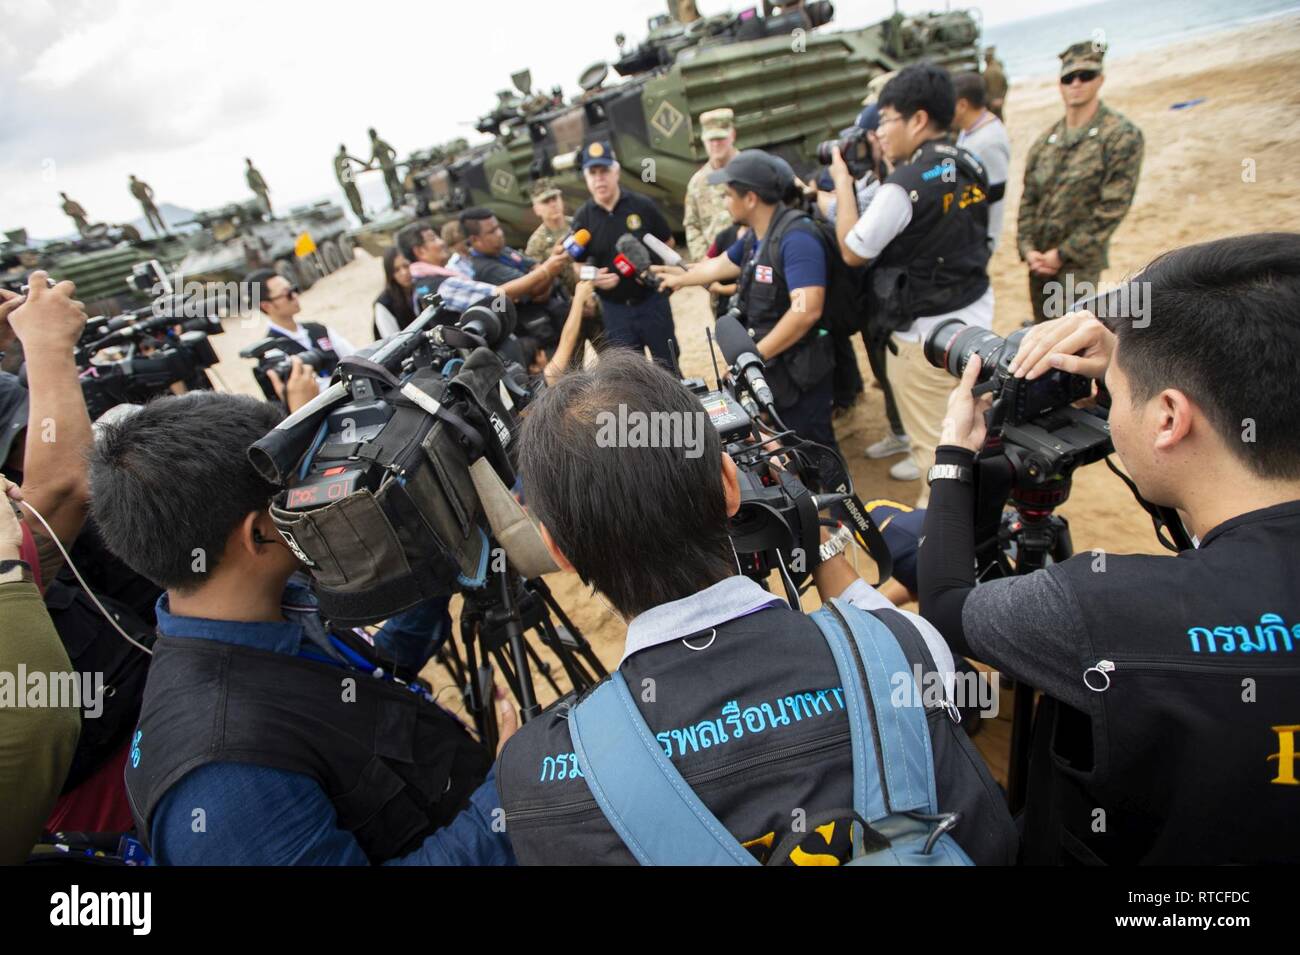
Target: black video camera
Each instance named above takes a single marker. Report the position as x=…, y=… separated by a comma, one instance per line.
x=271, y=356
x=855, y=147
x=785, y=481
x=141, y=354
x=379, y=474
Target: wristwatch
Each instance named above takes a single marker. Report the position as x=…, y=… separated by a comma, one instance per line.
x=13, y=571
x=950, y=472
x=837, y=543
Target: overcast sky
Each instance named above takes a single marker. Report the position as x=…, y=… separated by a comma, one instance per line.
x=178, y=93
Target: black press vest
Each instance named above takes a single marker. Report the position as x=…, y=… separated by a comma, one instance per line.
x=764, y=297
x=938, y=263
x=1194, y=755
x=395, y=766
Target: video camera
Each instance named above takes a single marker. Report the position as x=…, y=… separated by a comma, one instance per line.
x=785, y=481
x=270, y=355
x=854, y=146
x=140, y=354
x=381, y=475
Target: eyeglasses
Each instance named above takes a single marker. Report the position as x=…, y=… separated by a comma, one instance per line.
x=1083, y=76
x=293, y=292
x=888, y=119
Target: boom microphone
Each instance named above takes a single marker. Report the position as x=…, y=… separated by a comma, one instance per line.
x=738, y=348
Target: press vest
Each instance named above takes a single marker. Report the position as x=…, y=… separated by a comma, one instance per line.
x=938, y=263
x=395, y=766
x=763, y=297
x=1196, y=755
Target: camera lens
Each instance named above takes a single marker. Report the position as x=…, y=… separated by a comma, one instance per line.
x=824, y=154
x=951, y=344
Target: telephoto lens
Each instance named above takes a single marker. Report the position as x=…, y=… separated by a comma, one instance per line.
x=951, y=344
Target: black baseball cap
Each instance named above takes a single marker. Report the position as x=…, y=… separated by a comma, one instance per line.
x=13, y=412
x=754, y=169
x=598, y=153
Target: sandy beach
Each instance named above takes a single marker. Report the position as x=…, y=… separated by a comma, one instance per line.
x=1192, y=188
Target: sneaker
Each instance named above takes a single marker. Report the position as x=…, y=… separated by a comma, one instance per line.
x=889, y=445
x=905, y=470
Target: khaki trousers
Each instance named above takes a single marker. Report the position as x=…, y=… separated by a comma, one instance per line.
x=921, y=392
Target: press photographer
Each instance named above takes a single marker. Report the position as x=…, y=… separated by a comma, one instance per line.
x=725, y=696
x=1165, y=730
x=925, y=238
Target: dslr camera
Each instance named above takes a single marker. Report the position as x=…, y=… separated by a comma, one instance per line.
x=855, y=147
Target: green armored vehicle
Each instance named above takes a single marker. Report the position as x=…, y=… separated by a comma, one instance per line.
x=791, y=85
x=98, y=262
x=235, y=239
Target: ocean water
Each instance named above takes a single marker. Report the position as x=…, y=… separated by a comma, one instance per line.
x=1029, y=47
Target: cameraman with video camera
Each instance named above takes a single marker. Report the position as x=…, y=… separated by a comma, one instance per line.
x=647, y=527
x=1165, y=734
x=264, y=738
x=782, y=267
x=277, y=298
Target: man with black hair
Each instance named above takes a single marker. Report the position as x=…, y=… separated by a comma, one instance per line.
x=782, y=289
x=1171, y=693
x=264, y=738
x=981, y=132
x=646, y=525
x=925, y=236
x=277, y=298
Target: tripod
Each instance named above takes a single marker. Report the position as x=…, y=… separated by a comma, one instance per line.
x=1029, y=536
x=494, y=623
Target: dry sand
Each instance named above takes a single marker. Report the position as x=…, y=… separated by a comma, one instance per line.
x=1192, y=189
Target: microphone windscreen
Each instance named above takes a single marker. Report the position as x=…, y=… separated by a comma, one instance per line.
x=636, y=253
x=732, y=339
x=582, y=237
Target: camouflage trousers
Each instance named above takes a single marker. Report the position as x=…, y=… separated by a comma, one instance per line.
x=1053, y=296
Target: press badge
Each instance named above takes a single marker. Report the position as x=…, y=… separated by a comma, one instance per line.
x=763, y=273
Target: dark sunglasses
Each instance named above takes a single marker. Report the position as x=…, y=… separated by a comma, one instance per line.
x=293, y=292
x=1083, y=76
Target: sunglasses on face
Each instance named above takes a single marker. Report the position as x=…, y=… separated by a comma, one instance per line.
x=1083, y=76
x=292, y=293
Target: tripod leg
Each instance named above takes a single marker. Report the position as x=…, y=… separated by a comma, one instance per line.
x=541, y=665
x=478, y=686
x=582, y=646
x=1022, y=724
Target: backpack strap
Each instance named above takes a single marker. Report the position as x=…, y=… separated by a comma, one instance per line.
x=651, y=807
x=906, y=762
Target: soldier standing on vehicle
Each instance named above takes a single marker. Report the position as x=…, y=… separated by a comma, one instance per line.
x=706, y=213
x=1079, y=183
x=995, y=82
x=73, y=210
x=344, y=173
x=385, y=156
x=144, y=194
x=258, y=185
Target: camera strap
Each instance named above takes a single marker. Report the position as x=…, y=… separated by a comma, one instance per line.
x=1165, y=519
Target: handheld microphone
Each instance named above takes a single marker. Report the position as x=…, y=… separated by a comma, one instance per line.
x=738, y=348
x=623, y=267
x=638, y=257
x=575, y=243
x=666, y=253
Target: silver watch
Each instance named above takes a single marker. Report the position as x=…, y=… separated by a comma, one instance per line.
x=838, y=543
x=949, y=472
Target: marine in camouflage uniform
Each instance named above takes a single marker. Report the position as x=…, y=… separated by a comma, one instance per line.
x=385, y=156
x=1079, y=184
x=343, y=173
x=73, y=210
x=258, y=185
x=706, y=215
x=539, y=247
x=995, y=82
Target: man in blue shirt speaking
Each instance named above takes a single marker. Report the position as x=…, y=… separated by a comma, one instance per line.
x=782, y=289
x=265, y=738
